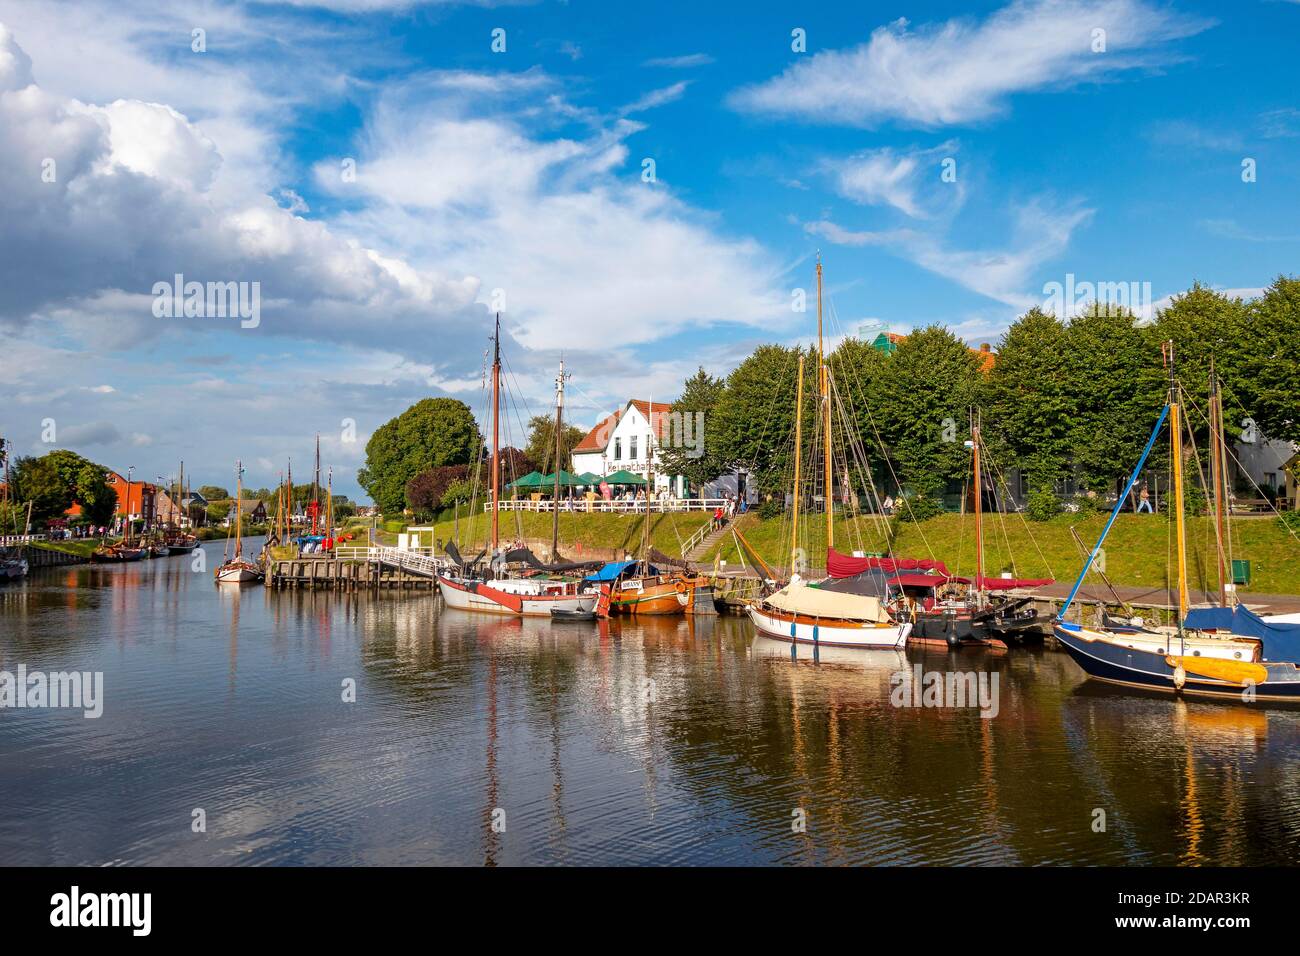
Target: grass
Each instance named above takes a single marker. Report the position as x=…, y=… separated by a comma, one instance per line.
x=623, y=532
x=81, y=547
x=1139, y=550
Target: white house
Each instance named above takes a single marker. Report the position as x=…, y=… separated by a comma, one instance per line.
x=621, y=442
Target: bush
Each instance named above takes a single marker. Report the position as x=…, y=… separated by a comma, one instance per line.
x=918, y=508
x=1042, y=505
x=769, y=509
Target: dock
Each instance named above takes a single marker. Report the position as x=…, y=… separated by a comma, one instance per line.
x=357, y=569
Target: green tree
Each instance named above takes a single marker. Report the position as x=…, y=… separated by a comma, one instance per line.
x=1027, y=411
x=38, y=481
x=54, y=482
x=432, y=432
x=754, y=418
x=1116, y=386
x=922, y=402
x=686, y=446
x=1269, y=379
x=218, y=510
x=540, y=450
x=213, y=493
x=856, y=368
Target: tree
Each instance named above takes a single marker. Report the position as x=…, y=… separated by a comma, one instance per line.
x=922, y=401
x=213, y=493
x=432, y=432
x=686, y=444
x=753, y=419
x=1269, y=380
x=1116, y=386
x=514, y=464
x=1027, y=411
x=424, y=492
x=856, y=367
x=540, y=450
x=56, y=481
x=218, y=510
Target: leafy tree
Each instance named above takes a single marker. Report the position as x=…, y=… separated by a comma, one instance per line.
x=424, y=492
x=38, y=481
x=1115, y=384
x=686, y=446
x=514, y=464
x=1027, y=410
x=432, y=432
x=218, y=510
x=1269, y=374
x=540, y=450
x=922, y=402
x=458, y=492
x=54, y=482
x=754, y=419
x=856, y=368
x=213, y=493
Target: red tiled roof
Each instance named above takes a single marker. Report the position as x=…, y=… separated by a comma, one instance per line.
x=656, y=413
x=598, y=437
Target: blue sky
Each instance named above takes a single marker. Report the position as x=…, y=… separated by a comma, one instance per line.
x=516, y=178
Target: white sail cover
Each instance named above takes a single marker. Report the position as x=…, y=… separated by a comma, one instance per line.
x=800, y=598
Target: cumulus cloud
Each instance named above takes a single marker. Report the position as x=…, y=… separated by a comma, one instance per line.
x=894, y=177
x=964, y=70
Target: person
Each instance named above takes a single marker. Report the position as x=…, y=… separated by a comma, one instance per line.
x=888, y=506
x=1144, y=500
x=717, y=517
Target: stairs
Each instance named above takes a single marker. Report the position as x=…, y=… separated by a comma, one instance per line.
x=700, y=544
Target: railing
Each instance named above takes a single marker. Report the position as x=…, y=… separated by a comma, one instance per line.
x=10, y=539
x=617, y=506
x=419, y=560
x=691, y=543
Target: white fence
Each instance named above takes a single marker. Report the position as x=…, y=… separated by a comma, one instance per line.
x=11, y=539
x=417, y=560
x=617, y=506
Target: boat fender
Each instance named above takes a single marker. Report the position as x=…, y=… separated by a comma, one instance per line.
x=1180, y=676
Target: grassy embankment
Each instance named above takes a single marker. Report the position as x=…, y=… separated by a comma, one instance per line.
x=1139, y=549
x=623, y=532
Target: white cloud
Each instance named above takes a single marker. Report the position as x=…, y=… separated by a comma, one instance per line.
x=892, y=177
x=656, y=98
x=680, y=62
x=964, y=70
x=1040, y=233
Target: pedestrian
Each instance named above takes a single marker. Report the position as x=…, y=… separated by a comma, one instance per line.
x=1144, y=500
x=888, y=506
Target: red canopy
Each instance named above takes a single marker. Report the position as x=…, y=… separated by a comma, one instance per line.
x=842, y=566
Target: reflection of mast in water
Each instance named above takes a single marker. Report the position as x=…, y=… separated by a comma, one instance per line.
x=557, y=788
x=234, y=638
x=1193, y=824
x=492, y=841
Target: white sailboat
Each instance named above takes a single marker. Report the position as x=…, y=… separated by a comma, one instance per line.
x=237, y=570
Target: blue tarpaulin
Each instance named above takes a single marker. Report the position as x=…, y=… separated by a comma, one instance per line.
x=1281, y=641
x=610, y=571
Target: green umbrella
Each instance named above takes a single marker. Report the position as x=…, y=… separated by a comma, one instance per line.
x=531, y=480
x=624, y=478
x=567, y=480
x=590, y=480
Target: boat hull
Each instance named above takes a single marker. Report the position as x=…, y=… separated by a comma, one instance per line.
x=117, y=555
x=481, y=596
x=675, y=596
x=1108, y=659
x=239, y=574
x=787, y=626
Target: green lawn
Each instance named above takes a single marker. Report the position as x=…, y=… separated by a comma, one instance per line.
x=667, y=531
x=1138, y=550
x=82, y=547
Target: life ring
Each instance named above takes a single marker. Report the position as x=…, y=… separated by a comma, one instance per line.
x=682, y=587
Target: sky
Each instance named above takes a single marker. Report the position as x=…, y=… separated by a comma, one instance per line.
x=641, y=189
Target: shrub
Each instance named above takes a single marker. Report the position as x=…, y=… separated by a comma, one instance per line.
x=918, y=508
x=769, y=509
x=1042, y=505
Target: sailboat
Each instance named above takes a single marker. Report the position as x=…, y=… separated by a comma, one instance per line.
x=237, y=570
x=803, y=613
x=643, y=587
x=177, y=540
x=122, y=550
x=522, y=596
x=948, y=610
x=1224, y=652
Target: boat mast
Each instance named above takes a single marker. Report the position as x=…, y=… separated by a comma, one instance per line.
x=798, y=461
x=1217, y=476
x=239, y=508
x=1176, y=436
x=823, y=377
x=649, y=481
x=555, y=498
x=496, y=432
x=315, y=491
x=979, y=505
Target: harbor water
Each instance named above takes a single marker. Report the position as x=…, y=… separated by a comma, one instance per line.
x=228, y=736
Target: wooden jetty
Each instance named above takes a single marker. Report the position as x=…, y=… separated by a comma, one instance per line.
x=355, y=569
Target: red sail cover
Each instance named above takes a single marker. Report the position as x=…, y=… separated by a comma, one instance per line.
x=842, y=566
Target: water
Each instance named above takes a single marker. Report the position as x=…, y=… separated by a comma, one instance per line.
x=230, y=701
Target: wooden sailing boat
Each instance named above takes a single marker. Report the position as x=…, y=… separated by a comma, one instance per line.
x=122, y=550
x=178, y=541
x=497, y=593
x=803, y=613
x=237, y=570
x=645, y=588
x=1225, y=652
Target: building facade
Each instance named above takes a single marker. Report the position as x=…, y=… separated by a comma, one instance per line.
x=622, y=441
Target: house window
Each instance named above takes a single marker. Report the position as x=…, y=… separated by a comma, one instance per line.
x=631, y=446
x=618, y=451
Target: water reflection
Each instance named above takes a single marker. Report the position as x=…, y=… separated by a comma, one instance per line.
x=631, y=741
